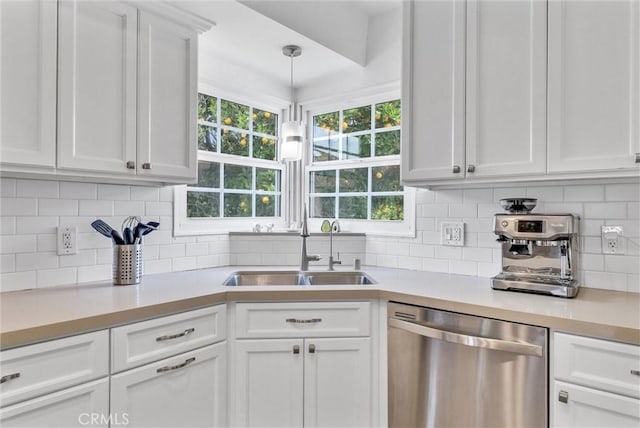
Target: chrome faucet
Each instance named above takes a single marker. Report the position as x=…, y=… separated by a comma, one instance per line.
x=304, y=233
x=335, y=227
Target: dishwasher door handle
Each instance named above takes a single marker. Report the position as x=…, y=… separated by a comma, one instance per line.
x=463, y=339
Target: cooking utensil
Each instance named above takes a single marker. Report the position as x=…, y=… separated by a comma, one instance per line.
x=117, y=239
x=127, y=235
x=102, y=227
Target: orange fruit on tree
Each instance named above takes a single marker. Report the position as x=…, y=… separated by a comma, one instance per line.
x=264, y=140
x=227, y=121
x=243, y=204
x=378, y=175
x=345, y=125
x=266, y=115
x=225, y=131
x=255, y=116
x=243, y=142
x=378, y=115
x=265, y=200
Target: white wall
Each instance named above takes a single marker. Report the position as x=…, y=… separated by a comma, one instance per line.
x=597, y=205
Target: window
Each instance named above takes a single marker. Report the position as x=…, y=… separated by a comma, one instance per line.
x=355, y=166
x=239, y=178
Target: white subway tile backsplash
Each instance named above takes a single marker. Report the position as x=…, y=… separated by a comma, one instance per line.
x=546, y=193
x=57, y=207
x=8, y=187
x=36, y=261
x=633, y=210
x=73, y=190
x=166, y=194
x=449, y=253
x=605, y=210
x=129, y=208
x=17, y=281
x=477, y=254
x=18, y=206
x=172, y=251
x=83, y=223
x=449, y=197
x=414, y=263
x=424, y=196
x=82, y=258
x=157, y=266
x=158, y=208
x=47, y=242
x=7, y=263
x=95, y=207
x=435, y=265
x=100, y=272
x=463, y=210
x=633, y=283
x=621, y=264
x=113, y=192
x=37, y=189
x=421, y=250
x=606, y=280
x=197, y=249
x=435, y=210
x=15, y=244
x=208, y=261
x=509, y=192
x=594, y=262
x=622, y=192
x=463, y=267
x=53, y=277
x=36, y=224
x=93, y=240
x=139, y=193
x=7, y=225
x=184, y=263
x=584, y=193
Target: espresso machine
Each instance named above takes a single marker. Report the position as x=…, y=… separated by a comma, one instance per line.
x=539, y=251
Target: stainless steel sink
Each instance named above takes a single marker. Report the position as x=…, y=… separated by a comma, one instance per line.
x=297, y=278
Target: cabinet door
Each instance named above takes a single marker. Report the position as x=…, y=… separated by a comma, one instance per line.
x=83, y=405
x=587, y=407
x=28, y=82
x=594, y=85
x=97, y=86
x=337, y=382
x=167, y=115
x=269, y=383
x=187, y=390
x=433, y=90
x=506, y=87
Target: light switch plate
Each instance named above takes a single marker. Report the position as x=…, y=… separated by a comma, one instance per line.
x=452, y=233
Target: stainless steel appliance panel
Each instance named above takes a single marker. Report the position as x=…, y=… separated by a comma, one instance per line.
x=454, y=370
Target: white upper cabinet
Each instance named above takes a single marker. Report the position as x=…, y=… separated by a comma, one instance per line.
x=594, y=85
x=167, y=102
x=123, y=103
x=506, y=87
x=482, y=115
x=28, y=82
x=97, y=86
x=433, y=78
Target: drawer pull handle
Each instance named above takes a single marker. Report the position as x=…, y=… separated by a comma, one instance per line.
x=635, y=372
x=296, y=349
x=8, y=377
x=563, y=397
x=309, y=321
x=176, y=367
x=175, y=336
x=312, y=349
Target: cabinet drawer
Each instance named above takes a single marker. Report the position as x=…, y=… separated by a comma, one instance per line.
x=143, y=342
x=304, y=319
x=38, y=369
x=605, y=365
x=71, y=407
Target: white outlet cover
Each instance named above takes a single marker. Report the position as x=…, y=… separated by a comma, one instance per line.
x=613, y=241
x=67, y=240
x=452, y=233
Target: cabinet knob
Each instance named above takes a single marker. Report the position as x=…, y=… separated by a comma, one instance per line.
x=456, y=169
x=471, y=168
x=637, y=158
x=635, y=372
x=146, y=165
x=563, y=397
x=296, y=349
x=312, y=349
x=131, y=165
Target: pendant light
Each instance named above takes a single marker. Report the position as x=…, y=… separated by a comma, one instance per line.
x=292, y=135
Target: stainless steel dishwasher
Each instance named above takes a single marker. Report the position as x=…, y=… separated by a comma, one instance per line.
x=454, y=370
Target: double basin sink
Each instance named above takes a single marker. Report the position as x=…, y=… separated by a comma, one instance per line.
x=295, y=277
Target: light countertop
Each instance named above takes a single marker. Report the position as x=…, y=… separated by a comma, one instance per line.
x=41, y=314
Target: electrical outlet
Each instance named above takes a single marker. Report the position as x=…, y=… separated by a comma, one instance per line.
x=67, y=240
x=452, y=233
x=612, y=240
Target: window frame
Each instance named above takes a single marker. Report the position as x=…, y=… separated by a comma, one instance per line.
x=185, y=226
x=371, y=96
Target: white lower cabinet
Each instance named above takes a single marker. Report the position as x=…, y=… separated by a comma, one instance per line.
x=596, y=383
x=310, y=380
x=183, y=391
x=84, y=405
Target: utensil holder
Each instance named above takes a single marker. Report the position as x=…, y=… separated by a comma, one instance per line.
x=127, y=264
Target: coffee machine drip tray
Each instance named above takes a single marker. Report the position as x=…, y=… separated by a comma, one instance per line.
x=531, y=283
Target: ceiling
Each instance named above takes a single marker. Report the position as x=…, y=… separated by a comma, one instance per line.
x=250, y=34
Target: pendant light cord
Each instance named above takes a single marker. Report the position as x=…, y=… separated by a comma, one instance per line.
x=293, y=105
